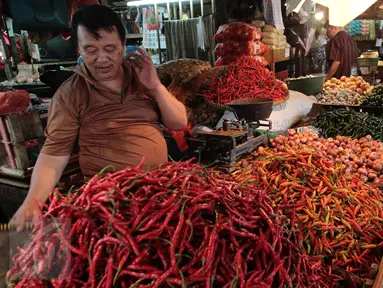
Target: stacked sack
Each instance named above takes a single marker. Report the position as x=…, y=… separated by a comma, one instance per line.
x=237, y=40
x=274, y=38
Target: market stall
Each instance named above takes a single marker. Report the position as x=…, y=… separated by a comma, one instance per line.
x=253, y=195
x=272, y=208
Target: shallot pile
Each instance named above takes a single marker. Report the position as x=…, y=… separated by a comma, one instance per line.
x=363, y=158
x=341, y=97
x=177, y=226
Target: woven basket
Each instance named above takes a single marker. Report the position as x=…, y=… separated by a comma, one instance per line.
x=279, y=102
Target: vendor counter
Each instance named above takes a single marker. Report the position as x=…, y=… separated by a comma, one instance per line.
x=21, y=139
x=14, y=187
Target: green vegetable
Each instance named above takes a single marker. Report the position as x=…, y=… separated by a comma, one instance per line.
x=376, y=98
x=349, y=123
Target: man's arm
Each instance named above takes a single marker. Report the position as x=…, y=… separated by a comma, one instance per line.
x=60, y=135
x=333, y=69
x=46, y=174
x=335, y=53
x=173, y=112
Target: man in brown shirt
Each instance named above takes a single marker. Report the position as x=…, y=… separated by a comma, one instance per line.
x=112, y=106
x=342, y=52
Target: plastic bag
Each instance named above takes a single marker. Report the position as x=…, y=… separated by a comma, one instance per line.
x=14, y=101
x=222, y=61
x=270, y=35
x=258, y=23
x=270, y=28
x=262, y=60
x=236, y=48
x=237, y=31
x=271, y=42
x=263, y=49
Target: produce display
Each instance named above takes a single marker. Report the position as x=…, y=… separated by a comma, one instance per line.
x=375, y=98
x=274, y=38
x=302, y=212
x=237, y=31
x=236, y=40
x=27, y=80
x=258, y=24
x=362, y=158
x=302, y=77
x=245, y=78
x=176, y=226
x=349, y=123
x=341, y=96
x=178, y=75
x=356, y=84
x=12, y=101
x=237, y=48
x=336, y=215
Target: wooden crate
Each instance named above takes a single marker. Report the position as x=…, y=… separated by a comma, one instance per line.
x=23, y=126
x=24, y=154
x=279, y=55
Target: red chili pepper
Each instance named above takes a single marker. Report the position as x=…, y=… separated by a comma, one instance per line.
x=93, y=266
x=245, y=78
x=109, y=273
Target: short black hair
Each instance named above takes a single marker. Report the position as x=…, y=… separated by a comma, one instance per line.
x=96, y=17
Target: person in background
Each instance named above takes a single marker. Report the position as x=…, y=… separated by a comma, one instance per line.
x=114, y=107
x=342, y=52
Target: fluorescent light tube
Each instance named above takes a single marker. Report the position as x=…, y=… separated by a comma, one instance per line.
x=152, y=2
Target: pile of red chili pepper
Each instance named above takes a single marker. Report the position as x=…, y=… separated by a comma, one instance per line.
x=176, y=226
x=245, y=78
x=338, y=216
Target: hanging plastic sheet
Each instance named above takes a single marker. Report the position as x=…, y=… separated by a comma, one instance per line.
x=343, y=11
x=291, y=5
x=273, y=13
x=185, y=39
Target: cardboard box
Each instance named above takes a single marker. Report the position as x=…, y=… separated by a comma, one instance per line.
x=278, y=55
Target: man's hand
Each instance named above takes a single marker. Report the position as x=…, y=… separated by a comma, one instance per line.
x=173, y=112
x=334, y=68
x=28, y=212
x=145, y=70
x=46, y=173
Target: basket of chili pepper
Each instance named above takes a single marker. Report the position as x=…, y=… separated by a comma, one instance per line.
x=287, y=95
x=245, y=78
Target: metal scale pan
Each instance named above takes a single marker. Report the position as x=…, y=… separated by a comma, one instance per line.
x=253, y=110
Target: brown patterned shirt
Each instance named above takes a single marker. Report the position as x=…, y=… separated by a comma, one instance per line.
x=112, y=128
x=343, y=48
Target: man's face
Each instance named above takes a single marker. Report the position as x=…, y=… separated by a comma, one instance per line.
x=103, y=57
x=331, y=32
